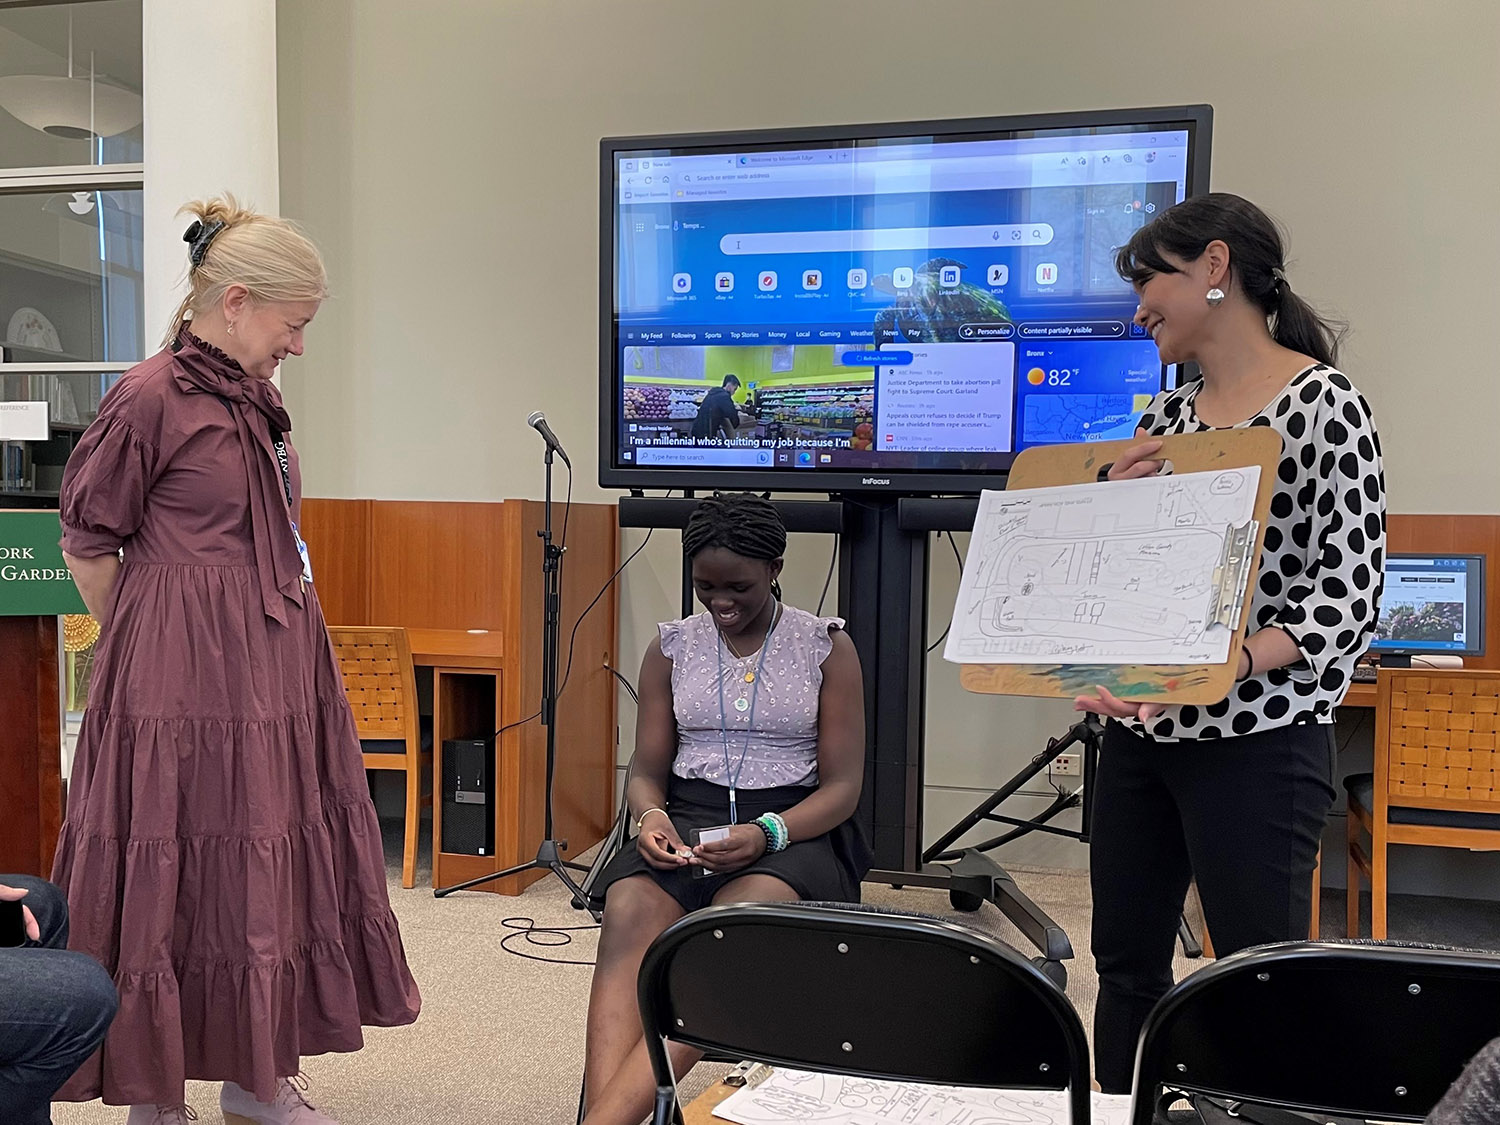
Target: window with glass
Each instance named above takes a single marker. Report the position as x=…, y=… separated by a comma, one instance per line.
x=71, y=279
x=71, y=282
x=70, y=84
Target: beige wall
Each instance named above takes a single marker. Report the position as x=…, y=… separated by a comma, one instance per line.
x=445, y=156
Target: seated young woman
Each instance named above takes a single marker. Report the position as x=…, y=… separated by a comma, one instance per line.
x=752, y=717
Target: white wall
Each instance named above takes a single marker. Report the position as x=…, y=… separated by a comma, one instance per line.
x=445, y=157
x=210, y=127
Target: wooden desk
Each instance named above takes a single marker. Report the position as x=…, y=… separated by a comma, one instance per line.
x=701, y=1110
x=468, y=679
x=1360, y=695
x=442, y=569
x=458, y=648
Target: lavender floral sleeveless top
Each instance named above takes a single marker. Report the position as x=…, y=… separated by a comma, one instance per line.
x=770, y=715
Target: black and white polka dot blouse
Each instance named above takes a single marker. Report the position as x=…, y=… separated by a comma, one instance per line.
x=1320, y=572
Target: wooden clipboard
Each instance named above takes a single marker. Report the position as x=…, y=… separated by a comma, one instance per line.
x=1046, y=466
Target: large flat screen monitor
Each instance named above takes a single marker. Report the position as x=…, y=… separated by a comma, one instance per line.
x=899, y=307
x=1432, y=604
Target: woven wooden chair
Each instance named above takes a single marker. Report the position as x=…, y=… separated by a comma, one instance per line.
x=382, y=688
x=1436, y=779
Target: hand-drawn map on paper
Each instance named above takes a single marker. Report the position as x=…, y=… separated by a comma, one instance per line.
x=797, y=1096
x=1119, y=572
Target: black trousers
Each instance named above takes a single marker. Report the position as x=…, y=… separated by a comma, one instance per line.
x=1243, y=816
x=55, y=1007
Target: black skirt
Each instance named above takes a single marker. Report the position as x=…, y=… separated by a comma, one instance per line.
x=826, y=868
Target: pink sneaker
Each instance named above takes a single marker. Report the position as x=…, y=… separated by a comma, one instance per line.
x=288, y=1107
x=161, y=1115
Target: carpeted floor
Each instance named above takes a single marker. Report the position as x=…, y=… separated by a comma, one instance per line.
x=500, y=1038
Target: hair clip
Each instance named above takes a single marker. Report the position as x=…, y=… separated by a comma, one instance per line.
x=198, y=236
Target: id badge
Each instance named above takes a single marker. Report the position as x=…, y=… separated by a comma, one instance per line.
x=302, y=553
x=711, y=835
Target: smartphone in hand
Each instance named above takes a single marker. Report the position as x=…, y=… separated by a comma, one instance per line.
x=712, y=835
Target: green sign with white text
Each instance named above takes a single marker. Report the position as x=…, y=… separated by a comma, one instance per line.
x=33, y=577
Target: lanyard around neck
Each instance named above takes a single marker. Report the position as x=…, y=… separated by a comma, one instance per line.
x=283, y=459
x=733, y=774
x=284, y=463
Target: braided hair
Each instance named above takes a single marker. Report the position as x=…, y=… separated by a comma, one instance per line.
x=741, y=522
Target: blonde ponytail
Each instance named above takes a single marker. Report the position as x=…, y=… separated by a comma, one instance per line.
x=269, y=256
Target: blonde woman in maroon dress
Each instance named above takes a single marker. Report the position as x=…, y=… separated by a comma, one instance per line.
x=221, y=856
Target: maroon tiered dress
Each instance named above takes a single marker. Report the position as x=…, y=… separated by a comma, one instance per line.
x=221, y=856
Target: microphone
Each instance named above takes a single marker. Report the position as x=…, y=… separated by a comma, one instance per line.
x=538, y=422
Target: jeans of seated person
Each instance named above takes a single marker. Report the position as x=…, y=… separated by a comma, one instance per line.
x=55, y=1007
x=1474, y=1099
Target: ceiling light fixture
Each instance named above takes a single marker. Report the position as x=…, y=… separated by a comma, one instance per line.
x=74, y=108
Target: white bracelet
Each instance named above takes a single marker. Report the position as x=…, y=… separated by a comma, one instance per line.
x=648, y=812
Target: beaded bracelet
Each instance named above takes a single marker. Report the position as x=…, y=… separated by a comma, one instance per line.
x=777, y=837
x=774, y=839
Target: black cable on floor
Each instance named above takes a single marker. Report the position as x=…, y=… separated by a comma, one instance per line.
x=527, y=930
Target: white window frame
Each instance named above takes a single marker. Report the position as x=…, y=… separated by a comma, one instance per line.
x=74, y=177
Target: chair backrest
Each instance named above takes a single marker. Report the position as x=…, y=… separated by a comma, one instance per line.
x=1356, y=1029
x=861, y=992
x=379, y=680
x=1436, y=745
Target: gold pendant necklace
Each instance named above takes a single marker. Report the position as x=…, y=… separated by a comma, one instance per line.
x=749, y=676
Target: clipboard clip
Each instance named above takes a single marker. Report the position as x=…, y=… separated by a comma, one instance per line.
x=1226, y=603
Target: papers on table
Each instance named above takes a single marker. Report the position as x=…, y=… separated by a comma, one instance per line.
x=828, y=1099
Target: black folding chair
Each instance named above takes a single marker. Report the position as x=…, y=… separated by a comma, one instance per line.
x=1347, y=1029
x=621, y=835
x=856, y=991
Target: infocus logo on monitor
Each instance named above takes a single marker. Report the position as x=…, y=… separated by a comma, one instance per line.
x=877, y=480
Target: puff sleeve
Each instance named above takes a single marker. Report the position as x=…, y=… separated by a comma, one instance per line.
x=105, y=488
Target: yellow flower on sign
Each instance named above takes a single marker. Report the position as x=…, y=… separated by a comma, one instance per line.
x=80, y=631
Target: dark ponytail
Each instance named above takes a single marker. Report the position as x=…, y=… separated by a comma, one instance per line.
x=1298, y=327
x=1257, y=261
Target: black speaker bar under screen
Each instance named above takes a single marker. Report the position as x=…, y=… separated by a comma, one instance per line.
x=826, y=516
x=950, y=513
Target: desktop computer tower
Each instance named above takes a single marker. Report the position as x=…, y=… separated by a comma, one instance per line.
x=469, y=796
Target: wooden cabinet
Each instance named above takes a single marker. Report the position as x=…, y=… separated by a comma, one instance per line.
x=444, y=569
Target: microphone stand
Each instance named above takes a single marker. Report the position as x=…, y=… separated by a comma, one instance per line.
x=549, y=854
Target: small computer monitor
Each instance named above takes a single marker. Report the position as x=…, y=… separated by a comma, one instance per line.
x=1432, y=605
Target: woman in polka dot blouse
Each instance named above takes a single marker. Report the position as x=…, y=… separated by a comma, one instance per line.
x=751, y=720
x=1235, y=794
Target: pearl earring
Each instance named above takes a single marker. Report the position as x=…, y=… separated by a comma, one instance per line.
x=1215, y=297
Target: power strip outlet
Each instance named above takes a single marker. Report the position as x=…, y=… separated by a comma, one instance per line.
x=1067, y=765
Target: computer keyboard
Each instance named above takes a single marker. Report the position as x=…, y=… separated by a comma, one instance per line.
x=1364, y=674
